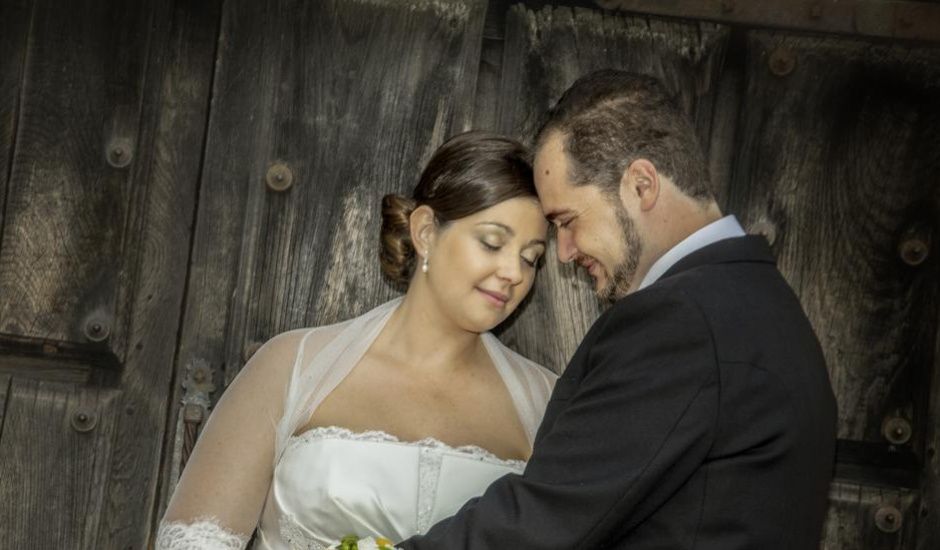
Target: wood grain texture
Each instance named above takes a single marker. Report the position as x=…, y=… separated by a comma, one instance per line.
x=928, y=527
x=53, y=481
x=14, y=32
x=172, y=138
x=4, y=398
x=313, y=85
x=839, y=159
x=64, y=229
x=851, y=522
x=545, y=51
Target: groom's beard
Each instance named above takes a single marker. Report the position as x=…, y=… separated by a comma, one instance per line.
x=618, y=284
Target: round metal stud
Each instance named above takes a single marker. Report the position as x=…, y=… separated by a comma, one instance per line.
x=97, y=330
x=120, y=152
x=84, y=421
x=279, y=177
x=913, y=251
x=889, y=519
x=782, y=61
x=897, y=430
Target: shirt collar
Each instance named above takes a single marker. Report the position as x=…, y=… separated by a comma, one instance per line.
x=725, y=228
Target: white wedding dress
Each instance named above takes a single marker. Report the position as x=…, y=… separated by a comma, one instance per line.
x=330, y=482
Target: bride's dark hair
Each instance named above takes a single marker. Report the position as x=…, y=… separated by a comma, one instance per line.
x=470, y=172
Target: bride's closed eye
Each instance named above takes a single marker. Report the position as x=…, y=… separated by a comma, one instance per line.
x=492, y=247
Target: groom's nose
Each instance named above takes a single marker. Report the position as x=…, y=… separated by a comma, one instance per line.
x=565, y=244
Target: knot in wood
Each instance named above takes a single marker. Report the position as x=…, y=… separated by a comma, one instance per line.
x=727, y=6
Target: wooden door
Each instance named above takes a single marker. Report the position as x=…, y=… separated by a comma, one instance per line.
x=102, y=112
x=180, y=181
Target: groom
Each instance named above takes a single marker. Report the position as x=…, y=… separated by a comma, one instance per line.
x=697, y=413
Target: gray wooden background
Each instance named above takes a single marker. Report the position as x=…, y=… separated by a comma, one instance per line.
x=181, y=180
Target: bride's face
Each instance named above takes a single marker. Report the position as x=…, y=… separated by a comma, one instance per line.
x=483, y=265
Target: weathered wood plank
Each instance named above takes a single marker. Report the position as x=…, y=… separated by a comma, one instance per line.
x=54, y=463
x=352, y=96
x=64, y=230
x=486, y=98
x=839, y=151
x=838, y=159
x=4, y=397
x=855, y=512
x=545, y=51
x=928, y=529
x=173, y=129
x=14, y=32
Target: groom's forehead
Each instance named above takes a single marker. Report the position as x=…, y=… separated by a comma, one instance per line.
x=550, y=165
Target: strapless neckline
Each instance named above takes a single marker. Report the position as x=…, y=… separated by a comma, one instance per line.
x=379, y=436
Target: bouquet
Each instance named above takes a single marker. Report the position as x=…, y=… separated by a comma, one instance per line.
x=352, y=542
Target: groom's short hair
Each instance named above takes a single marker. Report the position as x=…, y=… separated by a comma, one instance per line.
x=610, y=118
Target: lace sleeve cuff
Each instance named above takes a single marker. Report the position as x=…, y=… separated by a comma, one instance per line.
x=202, y=533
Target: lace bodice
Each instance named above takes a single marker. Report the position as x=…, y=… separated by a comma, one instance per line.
x=331, y=482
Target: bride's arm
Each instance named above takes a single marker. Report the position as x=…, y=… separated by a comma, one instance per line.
x=222, y=490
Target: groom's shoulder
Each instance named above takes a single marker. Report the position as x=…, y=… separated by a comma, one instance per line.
x=662, y=311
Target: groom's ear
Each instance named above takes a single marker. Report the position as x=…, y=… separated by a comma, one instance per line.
x=639, y=186
x=423, y=226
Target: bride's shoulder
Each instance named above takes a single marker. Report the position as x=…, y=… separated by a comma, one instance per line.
x=525, y=366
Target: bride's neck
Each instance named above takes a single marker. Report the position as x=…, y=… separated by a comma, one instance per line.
x=421, y=335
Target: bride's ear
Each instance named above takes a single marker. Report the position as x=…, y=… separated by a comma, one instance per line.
x=423, y=226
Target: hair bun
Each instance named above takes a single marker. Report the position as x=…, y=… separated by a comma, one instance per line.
x=397, y=254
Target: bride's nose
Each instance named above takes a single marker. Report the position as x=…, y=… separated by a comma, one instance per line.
x=510, y=269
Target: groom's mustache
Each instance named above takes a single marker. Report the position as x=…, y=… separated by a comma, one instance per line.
x=585, y=262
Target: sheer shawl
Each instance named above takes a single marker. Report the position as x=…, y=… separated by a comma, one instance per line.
x=326, y=355
x=322, y=358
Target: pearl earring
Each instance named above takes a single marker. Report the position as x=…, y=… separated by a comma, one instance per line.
x=424, y=264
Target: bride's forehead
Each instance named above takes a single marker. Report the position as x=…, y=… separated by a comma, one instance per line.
x=519, y=215
x=512, y=211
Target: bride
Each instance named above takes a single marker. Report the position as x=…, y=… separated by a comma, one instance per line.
x=385, y=424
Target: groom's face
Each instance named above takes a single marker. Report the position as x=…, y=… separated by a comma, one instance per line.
x=593, y=228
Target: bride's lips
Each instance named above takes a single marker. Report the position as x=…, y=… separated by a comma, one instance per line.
x=495, y=298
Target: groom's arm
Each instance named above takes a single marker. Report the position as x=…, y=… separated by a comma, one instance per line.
x=638, y=425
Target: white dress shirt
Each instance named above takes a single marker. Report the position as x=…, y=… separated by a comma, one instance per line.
x=725, y=228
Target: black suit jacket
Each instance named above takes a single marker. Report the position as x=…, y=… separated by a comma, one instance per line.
x=696, y=414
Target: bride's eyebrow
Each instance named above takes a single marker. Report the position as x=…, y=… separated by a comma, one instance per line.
x=502, y=226
x=512, y=233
